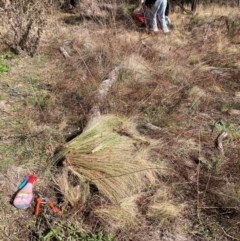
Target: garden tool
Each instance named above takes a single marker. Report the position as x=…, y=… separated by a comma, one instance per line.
x=42, y=199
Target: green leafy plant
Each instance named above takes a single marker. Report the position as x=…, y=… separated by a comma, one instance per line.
x=231, y=129
x=3, y=67
x=61, y=232
x=52, y=233
x=16, y=108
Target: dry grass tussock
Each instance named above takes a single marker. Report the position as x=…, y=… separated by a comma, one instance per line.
x=112, y=157
x=23, y=36
x=168, y=182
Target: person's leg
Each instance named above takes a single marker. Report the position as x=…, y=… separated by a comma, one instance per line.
x=167, y=10
x=153, y=10
x=161, y=15
x=168, y=21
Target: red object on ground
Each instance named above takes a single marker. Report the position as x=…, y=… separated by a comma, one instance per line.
x=43, y=199
x=139, y=18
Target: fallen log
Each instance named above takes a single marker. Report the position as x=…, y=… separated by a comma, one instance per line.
x=101, y=93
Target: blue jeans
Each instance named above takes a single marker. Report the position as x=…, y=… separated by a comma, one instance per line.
x=158, y=11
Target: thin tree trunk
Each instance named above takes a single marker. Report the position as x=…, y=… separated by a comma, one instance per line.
x=194, y=5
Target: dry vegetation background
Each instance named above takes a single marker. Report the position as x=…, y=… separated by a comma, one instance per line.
x=181, y=92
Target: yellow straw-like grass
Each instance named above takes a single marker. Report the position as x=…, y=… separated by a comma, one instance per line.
x=116, y=217
x=163, y=212
x=162, y=208
x=111, y=155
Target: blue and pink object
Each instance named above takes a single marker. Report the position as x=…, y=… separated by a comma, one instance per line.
x=24, y=196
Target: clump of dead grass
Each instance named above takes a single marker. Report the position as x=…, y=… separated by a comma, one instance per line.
x=161, y=208
x=75, y=189
x=112, y=160
x=141, y=70
x=114, y=218
x=111, y=155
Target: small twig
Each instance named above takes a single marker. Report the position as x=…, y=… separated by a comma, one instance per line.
x=205, y=37
x=197, y=181
x=218, y=207
x=106, y=6
x=145, y=45
x=150, y=126
x=133, y=172
x=228, y=235
x=198, y=192
x=18, y=136
x=3, y=138
x=182, y=7
x=14, y=92
x=75, y=48
x=220, y=193
x=209, y=177
x=219, y=141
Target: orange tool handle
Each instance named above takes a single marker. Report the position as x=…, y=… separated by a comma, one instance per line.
x=55, y=209
x=39, y=200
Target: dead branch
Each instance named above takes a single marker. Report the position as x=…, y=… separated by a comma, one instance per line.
x=107, y=83
x=14, y=92
x=150, y=126
x=102, y=91
x=182, y=7
x=106, y=6
x=226, y=234
x=7, y=137
x=219, y=141
x=145, y=45
x=64, y=53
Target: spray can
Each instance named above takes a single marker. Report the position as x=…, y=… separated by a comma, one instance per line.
x=24, y=196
